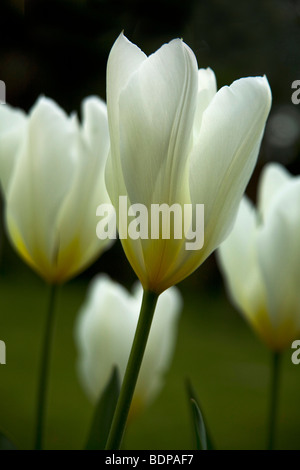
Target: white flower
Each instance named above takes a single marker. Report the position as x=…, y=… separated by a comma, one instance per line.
x=176, y=140
x=260, y=259
x=52, y=175
x=104, y=334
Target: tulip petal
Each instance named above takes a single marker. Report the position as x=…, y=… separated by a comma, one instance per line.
x=44, y=167
x=78, y=243
x=272, y=180
x=156, y=110
x=12, y=129
x=207, y=81
x=124, y=58
x=226, y=152
x=95, y=127
x=238, y=261
x=278, y=244
x=222, y=161
x=207, y=88
x=108, y=312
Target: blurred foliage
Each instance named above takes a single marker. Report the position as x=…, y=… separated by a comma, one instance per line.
x=229, y=368
x=59, y=48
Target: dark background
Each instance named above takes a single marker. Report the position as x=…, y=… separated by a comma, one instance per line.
x=59, y=48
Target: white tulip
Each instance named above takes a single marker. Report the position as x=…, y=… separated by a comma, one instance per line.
x=104, y=334
x=52, y=175
x=260, y=259
x=176, y=140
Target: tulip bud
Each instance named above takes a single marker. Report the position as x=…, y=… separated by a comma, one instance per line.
x=104, y=334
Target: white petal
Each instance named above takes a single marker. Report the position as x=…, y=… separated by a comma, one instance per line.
x=124, y=58
x=12, y=129
x=272, y=180
x=207, y=88
x=207, y=81
x=41, y=180
x=224, y=157
x=104, y=333
x=95, y=126
x=78, y=244
x=237, y=257
x=279, y=258
x=157, y=109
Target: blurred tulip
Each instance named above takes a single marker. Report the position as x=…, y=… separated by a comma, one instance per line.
x=260, y=259
x=104, y=336
x=176, y=140
x=52, y=175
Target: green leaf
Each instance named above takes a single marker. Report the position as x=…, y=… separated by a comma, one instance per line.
x=203, y=441
x=6, y=443
x=199, y=426
x=104, y=413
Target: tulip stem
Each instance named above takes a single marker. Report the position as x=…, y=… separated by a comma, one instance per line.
x=275, y=372
x=132, y=371
x=44, y=369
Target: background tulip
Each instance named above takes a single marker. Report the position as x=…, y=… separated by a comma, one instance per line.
x=105, y=331
x=174, y=139
x=52, y=175
x=260, y=260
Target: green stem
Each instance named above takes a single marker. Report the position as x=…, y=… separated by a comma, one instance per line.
x=132, y=371
x=44, y=369
x=275, y=372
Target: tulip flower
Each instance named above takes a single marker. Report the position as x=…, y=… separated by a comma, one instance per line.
x=52, y=175
x=175, y=139
x=104, y=334
x=175, y=143
x=260, y=259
